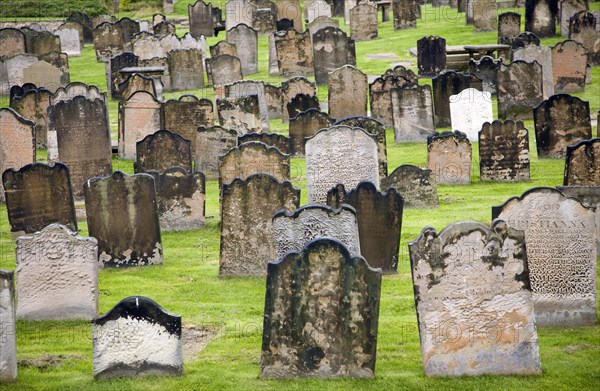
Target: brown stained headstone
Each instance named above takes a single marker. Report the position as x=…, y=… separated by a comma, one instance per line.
x=135, y=83
x=185, y=115
x=520, y=89
x=449, y=157
x=431, y=55
x=247, y=206
x=412, y=113
x=186, y=68
x=509, y=27
x=569, y=66
x=583, y=29
x=405, y=14
x=122, y=214
x=252, y=158
x=560, y=233
x=292, y=87
x=264, y=21
x=17, y=141
x=415, y=185
x=8, y=334
x=306, y=124
x=245, y=39
x=279, y=141
x=380, y=97
x=363, y=22
x=445, y=85
x=241, y=114
x=200, y=15
x=342, y=338
x=181, y=198
x=582, y=164
x=12, y=42
x=474, y=301
x=211, y=143
x=294, y=53
x=559, y=122
x=540, y=17
x=568, y=8
x=224, y=69
x=223, y=47
x=162, y=150
x=43, y=75
x=543, y=55
x=331, y=49
x=273, y=98
x=139, y=116
x=38, y=195
x=504, y=151
x=33, y=105
x=290, y=10
x=347, y=92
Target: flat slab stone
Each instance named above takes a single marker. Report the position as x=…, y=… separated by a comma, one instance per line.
x=382, y=56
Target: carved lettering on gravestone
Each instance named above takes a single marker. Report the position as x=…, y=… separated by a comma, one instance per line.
x=582, y=163
x=294, y=53
x=474, y=302
x=445, y=85
x=331, y=49
x=185, y=115
x=569, y=66
x=415, y=184
x=520, y=89
x=139, y=117
x=560, y=233
x=589, y=196
x=540, y=17
x=363, y=22
x=412, y=113
x=242, y=114
x=469, y=110
x=431, y=55
x=509, y=27
x=543, y=55
x=273, y=98
x=449, y=157
x=245, y=40
x=306, y=124
x=347, y=92
x=251, y=158
x=504, y=151
x=162, y=150
x=212, y=142
x=486, y=69
x=8, y=331
x=279, y=141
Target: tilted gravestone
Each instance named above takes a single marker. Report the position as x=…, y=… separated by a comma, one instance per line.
x=405, y=14
x=540, y=17
x=224, y=69
x=543, y=55
x=185, y=115
x=212, y=142
x=412, y=113
x=582, y=164
x=8, y=331
x=569, y=66
x=504, y=151
x=279, y=141
x=474, y=301
x=33, y=105
x=559, y=122
x=162, y=150
x=379, y=217
x=449, y=157
x=509, y=27
x=186, y=69
x=247, y=206
x=415, y=185
x=583, y=29
x=200, y=15
x=331, y=49
x=469, y=110
x=320, y=276
x=245, y=39
x=363, y=22
x=347, y=92
x=251, y=158
x=306, y=124
x=242, y=114
x=339, y=154
x=57, y=275
x=149, y=341
x=560, y=233
x=139, y=117
x=520, y=89
x=294, y=53
x=445, y=85
x=486, y=69
x=292, y=87
x=122, y=214
x=431, y=55
x=12, y=42
x=568, y=8
x=380, y=97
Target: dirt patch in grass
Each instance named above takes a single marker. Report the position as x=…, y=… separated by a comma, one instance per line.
x=47, y=361
x=576, y=348
x=195, y=339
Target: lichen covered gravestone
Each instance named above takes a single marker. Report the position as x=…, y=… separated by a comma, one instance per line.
x=415, y=184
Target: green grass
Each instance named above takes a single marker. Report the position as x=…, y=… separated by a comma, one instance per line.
x=232, y=308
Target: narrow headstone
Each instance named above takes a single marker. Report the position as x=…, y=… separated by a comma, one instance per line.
x=294, y=53
x=485, y=15
x=540, y=17
x=8, y=331
x=380, y=97
x=582, y=164
x=431, y=56
x=569, y=66
x=543, y=55
x=363, y=22
x=415, y=185
x=504, y=151
x=449, y=157
x=509, y=27
x=69, y=41
x=33, y=105
x=212, y=142
x=201, y=19
x=568, y=8
x=224, y=69
x=583, y=29
x=245, y=39
x=273, y=98
x=405, y=14
x=139, y=117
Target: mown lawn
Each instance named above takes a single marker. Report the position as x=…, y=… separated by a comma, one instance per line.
x=229, y=310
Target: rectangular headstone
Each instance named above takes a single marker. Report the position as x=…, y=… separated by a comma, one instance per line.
x=412, y=113
x=139, y=117
x=504, y=151
x=8, y=329
x=449, y=157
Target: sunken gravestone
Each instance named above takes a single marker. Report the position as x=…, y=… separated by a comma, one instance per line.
x=474, y=301
x=520, y=89
x=504, y=151
x=162, y=150
x=445, y=85
x=212, y=142
x=469, y=110
x=569, y=66
x=306, y=124
x=582, y=164
x=347, y=92
x=122, y=215
x=415, y=184
x=412, y=113
x=449, y=157
x=139, y=116
x=251, y=158
x=8, y=331
x=540, y=17
x=431, y=56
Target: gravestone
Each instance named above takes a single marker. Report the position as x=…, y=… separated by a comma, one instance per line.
x=57, y=275
x=290, y=10
x=71, y=90
x=322, y=22
x=113, y=68
x=431, y=56
x=137, y=82
x=17, y=146
x=412, y=113
x=320, y=276
x=405, y=14
x=84, y=21
x=379, y=217
x=245, y=39
x=469, y=110
x=445, y=85
x=380, y=97
x=244, y=88
x=59, y=61
x=164, y=28
x=264, y=21
x=279, y=141
x=212, y=142
x=162, y=150
x=69, y=41
x=569, y=66
x=238, y=12
x=185, y=115
x=509, y=27
x=186, y=69
x=363, y=22
x=42, y=42
x=223, y=47
x=180, y=197
x=582, y=164
x=402, y=71
x=108, y=42
x=504, y=151
x=11, y=71
x=486, y=69
x=347, y=92
x=559, y=122
x=38, y=195
x=473, y=298
x=583, y=29
x=449, y=157
x=148, y=46
x=301, y=103
x=331, y=49
x=589, y=196
x=543, y=55
x=201, y=19
x=524, y=39
x=306, y=124
x=224, y=69
x=139, y=117
x=314, y=9
x=273, y=101
x=339, y=154
x=292, y=87
x=415, y=185
x=540, y=17
x=149, y=341
x=43, y=75
x=561, y=252
x=12, y=42
x=520, y=89
x=33, y=105
x=294, y=53
x=252, y=158
x=247, y=206
x=8, y=331
x=568, y=8
x=241, y=114
x=485, y=15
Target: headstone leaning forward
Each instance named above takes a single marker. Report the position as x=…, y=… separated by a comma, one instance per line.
x=504, y=151
x=415, y=184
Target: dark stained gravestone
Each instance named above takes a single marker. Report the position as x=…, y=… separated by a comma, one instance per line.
x=449, y=157
x=509, y=27
x=402, y=71
x=8, y=335
x=33, y=105
x=300, y=103
x=306, y=124
x=43, y=42
x=186, y=69
x=347, y=92
x=122, y=214
x=415, y=184
x=331, y=49
x=162, y=150
x=252, y=158
x=164, y=28
x=185, y=115
x=473, y=298
x=343, y=337
x=412, y=113
x=520, y=89
x=85, y=22
x=224, y=69
x=294, y=53
x=486, y=69
x=38, y=195
x=108, y=42
x=292, y=87
x=524, y=39
x=379, y=217
x=566, y=9
x=284, y=24
x=446, y=84
x=145, y=328
x=279, y=141
x=242, y=114
x=113, y=68
x=211, y=143
x=504, y=151
x=540, y=17
x=559, y=122
x=290, y=10
x=405, y=14
x=245, y=39
x=582, y=28
x=543, y=55
x=201, y=19
x=582, y=164
x=569, y=66
x=247, y=206
x=431, y=55
x=380, y=97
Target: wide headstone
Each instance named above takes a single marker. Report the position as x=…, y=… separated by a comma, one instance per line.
x=412, y=113
x=122, y=214
x=186, y=69
x=8, y=331
x=245, y=39
x=139, y=117
x=43, y=75
x=306, y=124
x=540, y=17
x=294, y=53
x=469, y=110
x=445, y=85
x=279, y=141
x=582, y=164
x=212, y=142
x=185, y=115
x=201, y=19
x=242, y=114
x=504, y=151
x=347, y=92
x=252, y=158
x=415, y=185
x=569, y=66
x=486, y=69
x=12, y=42
x=224, y=69
x=380, y=97
x=162, y=150
x=331, y=49
x=568, y=8
x=560, y=233
x=363, y=22
x=449, y=157
x=543, y=55
x=474, y=301
x=509, y=27
x=431, y=55
x=520, y=89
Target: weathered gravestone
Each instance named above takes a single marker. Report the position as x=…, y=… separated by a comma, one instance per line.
x=486, y=69
x=247, y=206
x=139, y=116
x=560, y=233
x=582, y=164
x=469, y=110
x=363, y=22
x=113, y=68
x=568, y=8
x=331, y=49
x=17, y=141
x=290, y=10
x=69, y=25
x=583, y=29
x=485, y=15
x=43, y=75
x=320, y=23
x=379, y=217
x=474, y=301
x=264, y=21
x=162, y=150
x=314, y=9
x=292, y=87
x=245, y=39
x=340, y=154
x=185, y=115
x=223, y=47
x=405, y=14
x=108, y=42
x=238, y=12
x=431, y=55
x=347, y=92
x=57, y=275
x=212, y=142
x=251, y=158
x=38, y=195
x=509, y=27
x=122, y=215
x=540, y=17
x=147, y=46
x=414, y=184
x=559, y=122
x=186, y=69
x=148, y=344
x=412, y=113
x=41, y=42
x=279, y=141
x=180, y=197
x=71, y=90
x=33, y=105
x=244, y=88
x=8, y=331
x=59, y=61
x=273, y=98
x=200, y=15
x=69, y=41
x=85, y=22
x=342, y=341
x=306, y=124
x=224, y=69
x=569, y=66
x=542, y=55
x=520, y=89
x=504, y=151
x=294, y=53
x=242, y=114
x=524, y=39
x=449, y=157
x=445, y=85
x=12, y=42
x=164, y=28
x=301, y=103
x=138, y=82
x=380, y=97
x=11, y=70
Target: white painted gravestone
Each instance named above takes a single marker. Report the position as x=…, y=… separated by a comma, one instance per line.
x=469, y=110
